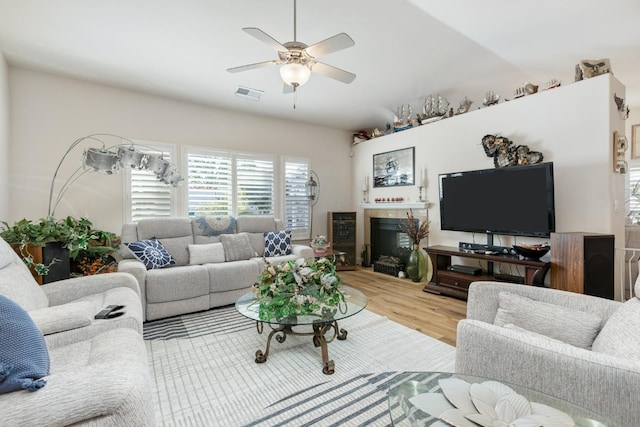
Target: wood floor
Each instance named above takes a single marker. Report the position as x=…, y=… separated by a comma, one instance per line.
x=404, y=302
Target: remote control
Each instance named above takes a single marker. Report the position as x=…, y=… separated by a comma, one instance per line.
x=104, y=314
x=116, y=314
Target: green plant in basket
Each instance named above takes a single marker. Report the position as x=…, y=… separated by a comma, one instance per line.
x=303, y=286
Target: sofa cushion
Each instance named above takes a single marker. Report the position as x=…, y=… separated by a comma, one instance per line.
x=178, y=247
x=151, y=253
x=203, y=240
x=256, y=223
x=177, y=283
x=214, y=225
x=24, y=357
x=257, y=243
x=277, y=243
x=164, y=228
x=231, y=276
x=204, y=254
x=620, y=336
x=570, y=326
x=236, y=247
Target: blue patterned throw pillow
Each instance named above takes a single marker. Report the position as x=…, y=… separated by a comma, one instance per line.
x=24, y=357
x=151, y=252
x=277, y=243
x=216, y=225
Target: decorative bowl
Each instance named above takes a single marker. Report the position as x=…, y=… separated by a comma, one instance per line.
x=532, y=251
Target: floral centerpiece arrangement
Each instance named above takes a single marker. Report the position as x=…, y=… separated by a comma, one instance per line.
x=303, y=286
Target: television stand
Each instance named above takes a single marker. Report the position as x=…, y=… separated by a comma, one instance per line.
x=456, y=284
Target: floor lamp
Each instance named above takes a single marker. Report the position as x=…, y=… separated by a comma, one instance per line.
x=110, y=159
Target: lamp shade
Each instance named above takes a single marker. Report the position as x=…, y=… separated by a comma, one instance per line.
x=295, y=74
x=99, y=160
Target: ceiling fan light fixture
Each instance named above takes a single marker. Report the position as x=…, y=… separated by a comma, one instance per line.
x=295, y=74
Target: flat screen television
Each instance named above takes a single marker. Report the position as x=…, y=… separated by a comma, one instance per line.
x=514, y=200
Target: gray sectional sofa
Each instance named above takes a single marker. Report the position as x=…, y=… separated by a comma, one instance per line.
x=201, y=279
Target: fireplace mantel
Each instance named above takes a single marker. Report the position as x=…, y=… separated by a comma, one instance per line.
x=395, y=205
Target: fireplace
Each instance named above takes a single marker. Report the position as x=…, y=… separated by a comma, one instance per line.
x=388, y=242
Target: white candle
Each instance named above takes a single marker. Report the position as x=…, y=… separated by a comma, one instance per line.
x=421, y=176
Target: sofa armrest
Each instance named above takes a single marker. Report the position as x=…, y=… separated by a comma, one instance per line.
x=65, y=291
x=301, y=251
x=64, y=317
x=483, y=299
x=605, y=384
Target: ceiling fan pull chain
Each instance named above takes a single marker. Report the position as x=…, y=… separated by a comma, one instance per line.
x=295, y=96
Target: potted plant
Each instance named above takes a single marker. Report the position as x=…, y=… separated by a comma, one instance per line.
x=48, y=246
x=416, y=263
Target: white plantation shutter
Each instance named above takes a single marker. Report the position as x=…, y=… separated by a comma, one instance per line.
x=210, y=184
x=147, y=197
x=633, y=196
x=255, y=186
x=296, y=203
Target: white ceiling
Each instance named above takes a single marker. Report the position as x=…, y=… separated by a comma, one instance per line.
x=405, y=49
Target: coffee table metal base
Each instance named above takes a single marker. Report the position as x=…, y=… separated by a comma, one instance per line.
x=320, y=339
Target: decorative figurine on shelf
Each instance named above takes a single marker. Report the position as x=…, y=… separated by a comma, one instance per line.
x=588, y=68
x=490, y=98
x=624, y=109
x=553, y=83
x=465, y=104
x=402, y=119
x=434, y=108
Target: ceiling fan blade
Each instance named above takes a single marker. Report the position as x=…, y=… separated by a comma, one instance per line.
x=333, y=72
x=265, y=38
x=252, y=66
x=330, y=45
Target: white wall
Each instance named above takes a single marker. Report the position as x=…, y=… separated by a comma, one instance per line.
x=572, y=126
x=4, y=138
x=49, y=112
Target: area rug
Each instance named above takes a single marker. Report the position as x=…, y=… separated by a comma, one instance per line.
x=205, y=373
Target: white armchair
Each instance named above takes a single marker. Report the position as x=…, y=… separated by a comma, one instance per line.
x=604, y=376
x=64, y=310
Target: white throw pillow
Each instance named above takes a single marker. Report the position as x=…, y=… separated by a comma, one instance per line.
x=205, y=254
x=564, y=324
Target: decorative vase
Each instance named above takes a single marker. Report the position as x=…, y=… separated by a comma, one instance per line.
x=416, y=264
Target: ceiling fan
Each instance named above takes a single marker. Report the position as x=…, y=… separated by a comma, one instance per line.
x=297, y=60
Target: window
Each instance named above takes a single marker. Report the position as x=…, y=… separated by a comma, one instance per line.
x=146, y=197
x=297, y=210
x=229, y=184
x=633, y=196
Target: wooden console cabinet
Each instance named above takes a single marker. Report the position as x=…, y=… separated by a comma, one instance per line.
x=341, y=229
x=456, y=284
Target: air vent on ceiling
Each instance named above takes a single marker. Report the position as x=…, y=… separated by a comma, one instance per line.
x=248, y=93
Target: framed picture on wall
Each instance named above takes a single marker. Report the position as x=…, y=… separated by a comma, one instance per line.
x=635, y=141
x=394, y=168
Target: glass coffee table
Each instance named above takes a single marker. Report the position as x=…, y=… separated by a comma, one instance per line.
x=418, y=399
x=324, y=326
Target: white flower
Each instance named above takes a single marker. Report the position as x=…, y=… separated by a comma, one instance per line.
x=328, y=280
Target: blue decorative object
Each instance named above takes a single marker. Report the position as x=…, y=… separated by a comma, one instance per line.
x=216, y=225
x=151, y=252
x=24, y=358
x=277, y=243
